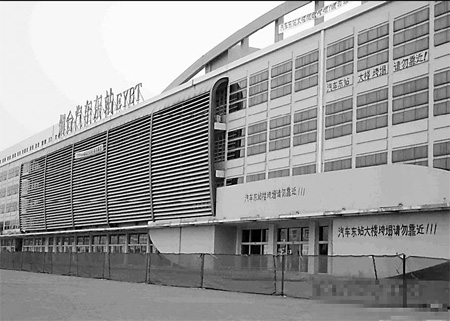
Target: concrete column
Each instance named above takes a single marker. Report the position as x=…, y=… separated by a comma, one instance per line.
x=238, y=240
x=272, y=239
x=318, y=5
x=278, y=22
x=313, y=245
x=46, y=243
x=148, y=243
x=90, y=244
x=74, y=245
x=107, y=243
x=245, y=44
x=126, y=243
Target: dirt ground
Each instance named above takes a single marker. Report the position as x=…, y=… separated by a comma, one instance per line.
x=36, y=296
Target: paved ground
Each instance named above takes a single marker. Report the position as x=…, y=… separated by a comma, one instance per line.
x=36, y=296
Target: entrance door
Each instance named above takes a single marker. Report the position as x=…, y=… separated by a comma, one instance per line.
x=323, y=249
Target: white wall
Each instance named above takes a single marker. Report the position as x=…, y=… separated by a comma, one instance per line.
x=188, y=239
x=355, y=189
x=225, y=239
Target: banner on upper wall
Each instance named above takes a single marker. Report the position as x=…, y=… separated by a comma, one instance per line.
x=311, y=16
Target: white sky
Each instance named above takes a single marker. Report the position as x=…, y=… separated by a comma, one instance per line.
x=56, y=55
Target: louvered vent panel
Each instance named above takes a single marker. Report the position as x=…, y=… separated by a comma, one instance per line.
x=31, y=211
x=180, y=160
x=58, y=208
x=129, y=172
x=89, y=196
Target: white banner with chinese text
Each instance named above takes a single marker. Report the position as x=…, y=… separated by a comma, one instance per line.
x=374, y=72
x=339, y=83
x=311, y=16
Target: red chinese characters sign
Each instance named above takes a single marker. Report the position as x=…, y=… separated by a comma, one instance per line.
x=387, y=230
x=411, y=60
x=373, y=72
x=275, y=193
x=339, y=83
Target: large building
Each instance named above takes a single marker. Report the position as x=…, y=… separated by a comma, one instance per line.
x=332, y=141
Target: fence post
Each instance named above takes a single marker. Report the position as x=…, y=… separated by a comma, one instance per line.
x=202, y=269
x=274, y=274
x=70, y=263
x=149, y=268
x=405, y=292
x=282, y=273
x=21, y=260
x=146, y=267
x=374, y=267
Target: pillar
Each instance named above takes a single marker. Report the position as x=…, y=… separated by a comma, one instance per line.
x=278, y=22
x=318, y=5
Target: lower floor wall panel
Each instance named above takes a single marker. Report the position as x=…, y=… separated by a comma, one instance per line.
x=423, y=233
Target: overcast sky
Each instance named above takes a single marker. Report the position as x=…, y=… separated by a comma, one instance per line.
x=56, y=55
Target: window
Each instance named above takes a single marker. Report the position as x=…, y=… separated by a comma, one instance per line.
x=371, y=160
x=410, y=101
x=28, y=245
x=303, y=170
x=8, y=244
x=236, y=144
x=281, y=81
x=294, y=241
x=238, y=95
x=117, y=243
x=339, y=59
x=305, y=127
x=83, y=243
x=338, y=165
x=254, y=242
x=441, y=158
x=338, y=118
x=259, y=86
x=280, y=132
x=441, y=93
x=256, y=177
x=220, y=182
x=279, y=173
x=257, y=137
x=234, y=181
x=372, y=109
x=373, y=47
x=411, y=33
x=137, y=243
x=220, y=103
x=417, y=154
x=306, y=71
x=39, y=244
x=67, y=244
x=99, y=244
x=219, y=146
x=441, y=23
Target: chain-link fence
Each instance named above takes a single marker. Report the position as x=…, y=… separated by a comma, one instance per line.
x=371, y=280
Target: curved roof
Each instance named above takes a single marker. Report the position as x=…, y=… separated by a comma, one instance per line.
x=235, y=38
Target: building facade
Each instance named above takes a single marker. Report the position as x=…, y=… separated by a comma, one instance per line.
x=333, y=141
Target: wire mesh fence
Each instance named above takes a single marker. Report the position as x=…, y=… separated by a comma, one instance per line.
x=372, y=280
